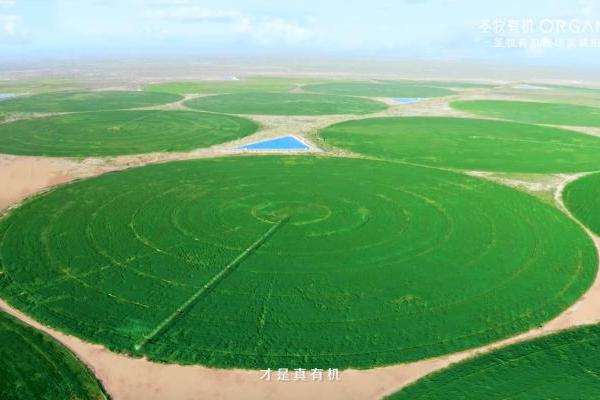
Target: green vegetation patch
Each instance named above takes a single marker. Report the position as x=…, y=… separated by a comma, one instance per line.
x=245, y=85
x=86, y=101
x=470, y=144
x=285, y=104
x=120, y=132
x=533, y=112
x=573, y=89
x=35, y=366
x=380, y=89
x=582, y=198
x=298, y=262
x=456, y=84
x=39, y=85
x=564, y=366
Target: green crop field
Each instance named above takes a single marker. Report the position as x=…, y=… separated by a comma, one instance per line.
x=245, y=85
x=533, y=112
x=579, y=90
x=454, y=84
x=39, y=86
x=582, y=198
x=292, y=262
x=285, y=104
x=470, y=144
x=380, y=89
x=35, y=366
x=120, y=132
x=563, y=366
x=86, y=101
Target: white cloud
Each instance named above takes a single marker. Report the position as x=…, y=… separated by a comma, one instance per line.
x=103, y=3
x=7, y=3
x=263, y=29
x=169, y=3
x=193, y=14
x=9, y=24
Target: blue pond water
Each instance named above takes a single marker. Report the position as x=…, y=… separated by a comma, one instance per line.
x=280, y=143
x=407, y=100
x=6, y=96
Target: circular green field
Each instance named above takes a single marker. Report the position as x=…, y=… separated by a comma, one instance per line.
x=35, y=366
x=582, y=198
x=469, y=144
x=120, y=132
x=564, y=366
x=533, y=112
x=298, y=262
x=285, y=104
x=87, y=101
x=379, y=89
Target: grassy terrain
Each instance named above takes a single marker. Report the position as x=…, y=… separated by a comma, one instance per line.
x=580, y=90
x=533, y=112
x=582, y=198
x=379, y=89
x=35, y=366
x=291, y=261
x=245, y=85
x=86, y=101
x=285, y=104
x=120, y=132
x=454, y=84
x=564, y=366
x=468, y=144
x=39, y=86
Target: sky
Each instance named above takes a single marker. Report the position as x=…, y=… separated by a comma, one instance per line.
x=422, y=29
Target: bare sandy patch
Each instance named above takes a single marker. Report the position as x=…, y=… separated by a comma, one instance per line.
x=21, y=177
